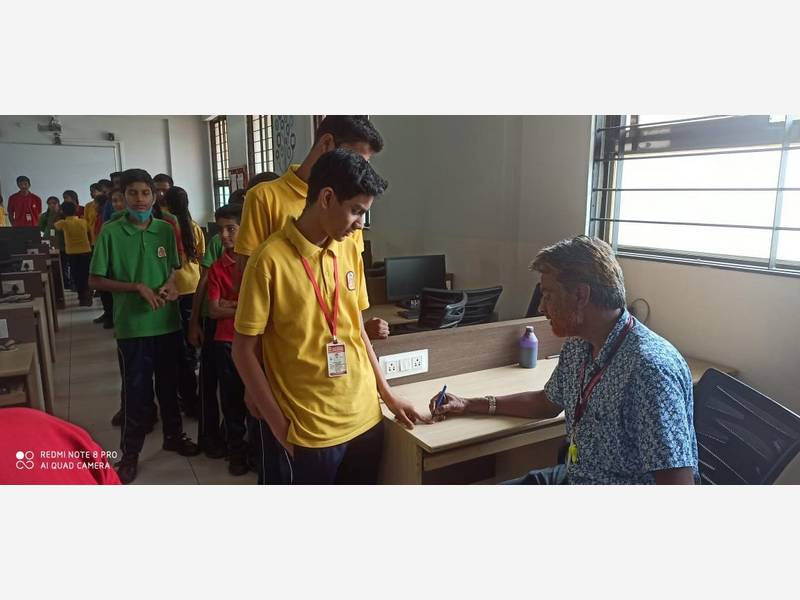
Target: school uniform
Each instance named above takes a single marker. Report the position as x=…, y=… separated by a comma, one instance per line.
x=222, y=285
x=208, y=423
x=335, y=422
x=148, y=341
x=24, y=209
x=268, y=207
x=79, y=253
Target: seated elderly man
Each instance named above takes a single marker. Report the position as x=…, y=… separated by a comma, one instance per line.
x=626, y=392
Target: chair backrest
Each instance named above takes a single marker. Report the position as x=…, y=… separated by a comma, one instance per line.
x=743, y=437
x=533, y=305
x=441, y=309
x=480, y=305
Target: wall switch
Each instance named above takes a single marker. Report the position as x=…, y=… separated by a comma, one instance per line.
x=404, y=363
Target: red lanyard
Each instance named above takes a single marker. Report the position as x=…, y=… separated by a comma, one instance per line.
x=330, y=318
x=580, y=408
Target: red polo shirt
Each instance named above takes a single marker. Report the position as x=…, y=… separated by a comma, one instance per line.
x=24, y=210
x=37, y=448
x=222, y=284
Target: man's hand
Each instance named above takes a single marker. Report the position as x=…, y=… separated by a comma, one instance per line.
x=169, y=291
x=195, y=334
x=404, y=412
x=451, y=405
x=377, y=329
x=154, y=300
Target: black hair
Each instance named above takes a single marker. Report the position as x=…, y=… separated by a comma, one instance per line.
x=350, y=129
x=237, y=197
x=177, y=201
x=52, y=198
x=114, y=174
x=94, y=186
x=71, y=194
x=23, y=178
x=68, y=209
x=164, y=177
x=104, y=183
x=261, y=178
x=348, y=173
x=101, y=199
x=135, y=176
x=229, y=211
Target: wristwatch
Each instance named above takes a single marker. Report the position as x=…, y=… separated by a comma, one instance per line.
x=492, y=404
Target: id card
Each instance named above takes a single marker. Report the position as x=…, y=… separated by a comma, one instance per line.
x=337, y=359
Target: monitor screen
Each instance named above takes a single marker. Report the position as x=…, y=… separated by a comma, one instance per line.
x=19, y=239
x=407, y=275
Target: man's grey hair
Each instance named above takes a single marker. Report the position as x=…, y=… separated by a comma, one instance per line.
x=585, y=260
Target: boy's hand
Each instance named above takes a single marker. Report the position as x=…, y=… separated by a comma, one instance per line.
x=404, y=412
x=377, y=329
x=168, y=291
x=154, y=300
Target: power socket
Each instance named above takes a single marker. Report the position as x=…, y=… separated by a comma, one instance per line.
x=404, y=363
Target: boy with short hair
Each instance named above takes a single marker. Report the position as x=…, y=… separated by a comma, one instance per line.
x=222, y=301
x=301, y=298
x=135, y=258
x=24, y=207
x=77, y=249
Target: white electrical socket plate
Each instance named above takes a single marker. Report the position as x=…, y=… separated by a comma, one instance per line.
x=404, y=363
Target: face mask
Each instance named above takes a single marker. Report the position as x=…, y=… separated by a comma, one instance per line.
x=142, y=215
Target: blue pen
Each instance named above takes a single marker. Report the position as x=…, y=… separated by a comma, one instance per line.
x=441, y=398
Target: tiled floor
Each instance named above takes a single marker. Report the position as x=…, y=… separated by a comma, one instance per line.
x=87, y=394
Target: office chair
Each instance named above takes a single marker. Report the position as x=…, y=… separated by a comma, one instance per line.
x=480, y=306
x=536, y=299
x=743, y=437
x=438, y=309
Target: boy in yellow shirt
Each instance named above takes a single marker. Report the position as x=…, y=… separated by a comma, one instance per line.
x=301, y=298
x=78, y=250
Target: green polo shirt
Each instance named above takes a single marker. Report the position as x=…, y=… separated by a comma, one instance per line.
x=124, y=253
x=213, y=252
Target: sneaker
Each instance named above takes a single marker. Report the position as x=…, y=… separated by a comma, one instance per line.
x=127, y=467
x=238, y=464
x=214, y=448
x=182, y=444
x=116, y=420
x=99, y=319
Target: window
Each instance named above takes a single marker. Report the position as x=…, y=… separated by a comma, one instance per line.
x=259, y=142
x=218, y=129
x=708, y=189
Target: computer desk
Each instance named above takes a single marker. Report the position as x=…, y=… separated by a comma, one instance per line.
x=474, y=448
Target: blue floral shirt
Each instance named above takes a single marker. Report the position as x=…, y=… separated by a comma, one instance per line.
x=640, y=416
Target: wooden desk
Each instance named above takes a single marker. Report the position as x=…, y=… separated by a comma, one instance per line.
x=698, y=367
x=471, y=449
x=43, y=347
x=21, y=365
x=387, y=312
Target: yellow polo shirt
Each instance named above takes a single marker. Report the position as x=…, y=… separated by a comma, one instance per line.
x=269, y=206
x=276, y=299
x=90, y=216
x=188, y=276
x=76, y=235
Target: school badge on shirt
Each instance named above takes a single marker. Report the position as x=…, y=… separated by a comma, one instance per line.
x=351, y=280
x=162, y=252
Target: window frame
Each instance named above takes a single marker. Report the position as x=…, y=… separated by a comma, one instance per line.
x=219, y=186
x=266, y=159
x=616, y=140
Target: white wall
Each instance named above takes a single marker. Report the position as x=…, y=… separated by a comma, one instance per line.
x=176, y=145
x=487, y=191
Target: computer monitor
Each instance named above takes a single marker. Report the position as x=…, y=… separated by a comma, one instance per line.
x=407, y=275
x=19, y=239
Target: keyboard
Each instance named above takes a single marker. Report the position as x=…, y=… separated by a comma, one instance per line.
x=409, y=314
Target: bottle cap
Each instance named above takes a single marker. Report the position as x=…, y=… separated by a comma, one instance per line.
x=529, y=328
